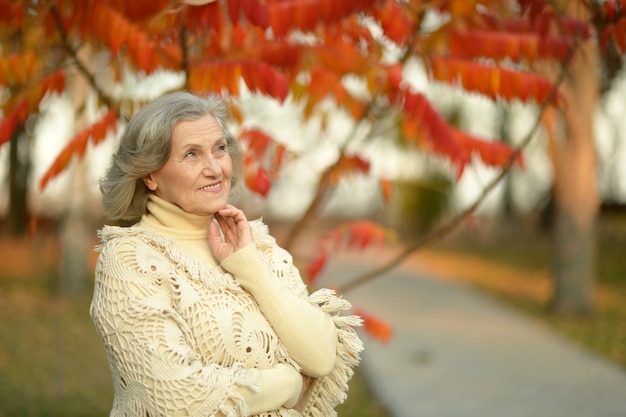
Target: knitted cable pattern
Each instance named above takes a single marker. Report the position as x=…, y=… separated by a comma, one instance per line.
x=180, y=334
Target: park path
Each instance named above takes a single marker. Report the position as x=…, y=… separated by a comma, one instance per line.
x=458, y=352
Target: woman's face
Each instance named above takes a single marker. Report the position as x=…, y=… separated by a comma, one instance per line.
x=197, y=175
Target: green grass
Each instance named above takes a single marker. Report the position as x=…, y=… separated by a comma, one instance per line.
x=52, y=363
x=51, y=360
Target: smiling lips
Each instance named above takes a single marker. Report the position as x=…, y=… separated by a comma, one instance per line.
x=212, y=187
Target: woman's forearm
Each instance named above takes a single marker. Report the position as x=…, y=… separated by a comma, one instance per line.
x=307, y=332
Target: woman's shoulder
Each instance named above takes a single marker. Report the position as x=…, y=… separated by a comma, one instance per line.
x=134, y=235
x=134, y=248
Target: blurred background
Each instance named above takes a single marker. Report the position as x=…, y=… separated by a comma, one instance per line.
x=546, y=236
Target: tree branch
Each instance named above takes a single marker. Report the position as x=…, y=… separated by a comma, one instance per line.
x=447, y=227
x=73, y=53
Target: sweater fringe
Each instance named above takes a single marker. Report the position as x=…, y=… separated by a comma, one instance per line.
x=324, y=394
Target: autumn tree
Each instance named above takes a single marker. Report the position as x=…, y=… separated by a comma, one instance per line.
x=307, y=51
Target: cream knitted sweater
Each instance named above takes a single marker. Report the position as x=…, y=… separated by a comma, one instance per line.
x=187, y=337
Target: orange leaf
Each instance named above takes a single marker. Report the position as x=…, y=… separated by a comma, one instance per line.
x=258, y=181
x=515, y=46
x=139, y=9
x=375, y=326
x=421, y=120
x=256, y=141
x=395, y=22
x=282, y=54
x=114, y=29
x=261, y=148
x=78, y=144
x=364, y=233
x=348, y=165
x=342, y=57
x=492, y=153
x=493, y=81
x=316, y=266
x=17, y=69
x=8, y=126
x=358, y=234
x=352, y=235
x=225, y=75
x=386, y=188
x=256, y=12
x=286, y=15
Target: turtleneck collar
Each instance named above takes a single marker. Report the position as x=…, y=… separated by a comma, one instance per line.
x=172, y=220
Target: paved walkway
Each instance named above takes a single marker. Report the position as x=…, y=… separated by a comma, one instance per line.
x=457, y=352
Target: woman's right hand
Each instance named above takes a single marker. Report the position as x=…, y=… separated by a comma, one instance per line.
x=235, y=228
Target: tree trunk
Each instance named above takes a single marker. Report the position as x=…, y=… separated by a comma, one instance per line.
x=19, y=169
x=75, y=236
x=575, y=189
x=76, y=224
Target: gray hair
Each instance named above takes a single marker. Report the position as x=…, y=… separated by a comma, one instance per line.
x=145, y=147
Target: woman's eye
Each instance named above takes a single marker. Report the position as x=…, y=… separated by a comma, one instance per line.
x=190, y=154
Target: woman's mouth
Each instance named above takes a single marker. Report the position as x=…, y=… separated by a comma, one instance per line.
x=212, y=187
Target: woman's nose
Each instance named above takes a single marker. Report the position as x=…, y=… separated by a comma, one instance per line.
x=211, y=166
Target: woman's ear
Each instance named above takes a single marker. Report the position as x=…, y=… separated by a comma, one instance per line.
x=150, y=182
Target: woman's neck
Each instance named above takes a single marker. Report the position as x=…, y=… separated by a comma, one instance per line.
x=189, y=230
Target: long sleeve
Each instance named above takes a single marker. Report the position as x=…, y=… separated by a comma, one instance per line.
x=277, y=387
x=151, y=348
x=308, y=333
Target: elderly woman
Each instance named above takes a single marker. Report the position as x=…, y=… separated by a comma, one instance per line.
x=200, y=312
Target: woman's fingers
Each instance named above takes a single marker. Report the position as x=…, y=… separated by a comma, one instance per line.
x=233, y=213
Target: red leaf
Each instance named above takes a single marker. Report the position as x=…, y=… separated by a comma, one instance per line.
x=302, y=15
x=210, y=17
x=262, y=150
x=492, y=153
x=395, y=22
x=282, y=54
x=493, y=81
x=515, y=46
x=139, y=10
x=375, y=326
x=17, y=69
x=342, y=57
x=256, y=12
x=315, y=267
x=386, y=188
x=352, y=235
x=96, y=132
x=358, y=234
x=348, y=165
x=256, y=141
x=258, y=181
x=225, y=75
x=7, y=127
x=422, y=121
x=115, y=29
x=362, y=234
